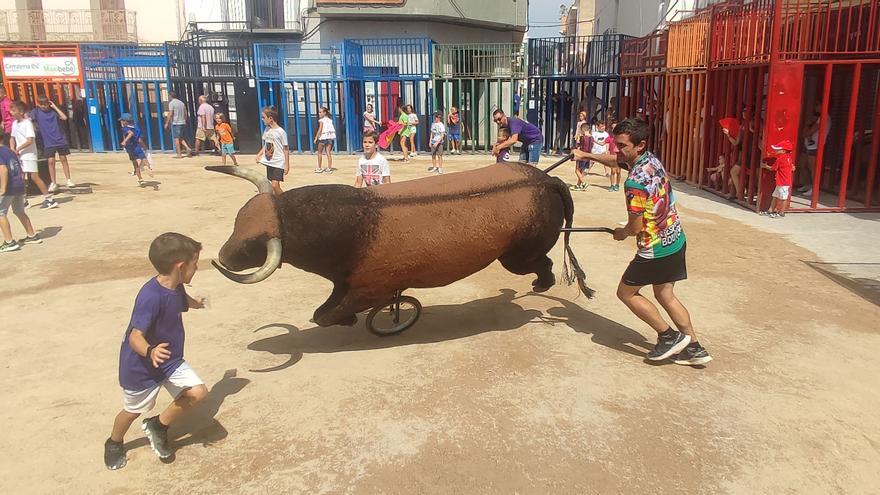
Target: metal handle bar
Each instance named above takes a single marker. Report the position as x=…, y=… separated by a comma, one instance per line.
x=560, y=162
x=588, y=229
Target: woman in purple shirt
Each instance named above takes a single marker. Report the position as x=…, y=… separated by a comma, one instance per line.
x=520, y=130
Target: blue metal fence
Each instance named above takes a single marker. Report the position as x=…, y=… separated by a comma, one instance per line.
x=125, y=78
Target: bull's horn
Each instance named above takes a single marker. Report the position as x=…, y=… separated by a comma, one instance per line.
x=273, y=261
x=263, y=184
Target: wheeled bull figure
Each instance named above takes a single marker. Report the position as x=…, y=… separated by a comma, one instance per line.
x=373, y=243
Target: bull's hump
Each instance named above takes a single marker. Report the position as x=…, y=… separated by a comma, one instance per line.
x=472, y=183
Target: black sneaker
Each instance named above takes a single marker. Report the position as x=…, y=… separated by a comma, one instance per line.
x=114, y=455
x=34, y=239
x=668, y=343
x=692, y=355
x=7, y=247
x=158, y=437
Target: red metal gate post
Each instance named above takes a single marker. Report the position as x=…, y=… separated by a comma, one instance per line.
x=823, y=123
x=875, y=151
x=850, y=130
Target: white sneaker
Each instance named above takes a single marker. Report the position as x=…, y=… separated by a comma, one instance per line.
x=53, y=187
x=70, y=183
x=807, y=192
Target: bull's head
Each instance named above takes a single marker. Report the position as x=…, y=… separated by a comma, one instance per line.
x=256, y=238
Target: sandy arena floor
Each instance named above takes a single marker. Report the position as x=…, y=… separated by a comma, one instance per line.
x=495, y=390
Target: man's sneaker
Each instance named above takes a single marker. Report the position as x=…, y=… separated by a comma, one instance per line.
x=114, y=455
x=10, y=246
x=53, y=187
x=692, y=355
x=158, y=437
x=70, y=183
x=49, y=204
x=431, y=169
x=34, y=239
x=668, y=343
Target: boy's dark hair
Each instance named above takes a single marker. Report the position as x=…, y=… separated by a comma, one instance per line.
x=271, y=113
x=20, y=106
x=372, y=134
x=438, y=115
x=504, y=131
x=636, y=129
x=170, y=249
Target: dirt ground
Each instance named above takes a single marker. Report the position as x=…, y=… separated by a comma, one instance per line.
x=495, y=390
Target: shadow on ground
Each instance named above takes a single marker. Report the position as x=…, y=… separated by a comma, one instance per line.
x=200, y=426
x=448, y=322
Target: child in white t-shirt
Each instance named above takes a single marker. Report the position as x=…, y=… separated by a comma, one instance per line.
x=23, y=143
x=413, y=119
x=275, y=153
x=438, y=137
x=324, y=138
x=600, y=143
x=372, y=168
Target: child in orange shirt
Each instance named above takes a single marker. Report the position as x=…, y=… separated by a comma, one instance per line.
x=224, y=130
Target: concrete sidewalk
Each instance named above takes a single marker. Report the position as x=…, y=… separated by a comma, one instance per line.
x=845, y=244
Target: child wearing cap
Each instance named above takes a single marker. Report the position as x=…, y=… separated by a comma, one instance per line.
x=131, y=141
x=783, y=167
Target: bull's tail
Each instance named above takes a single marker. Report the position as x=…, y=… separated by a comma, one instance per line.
x=572, y=270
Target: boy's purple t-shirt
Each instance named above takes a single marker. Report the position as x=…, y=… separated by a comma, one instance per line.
x=9, y=159
x=158, y=313
x=528, y=133
x=50, y=130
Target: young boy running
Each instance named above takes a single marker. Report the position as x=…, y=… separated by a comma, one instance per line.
x=24, y=143
x=151, y=355
x=274, y=154
x=438, y=136
x=12, y=196
x=373, y=168
x=131, y=141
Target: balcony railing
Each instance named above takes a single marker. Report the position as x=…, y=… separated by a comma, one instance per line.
x=250, y=15
x=68, y=25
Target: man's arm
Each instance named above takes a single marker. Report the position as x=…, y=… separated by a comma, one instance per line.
x=604, y=159
x=506, y=144
x=61, y=115
x=157, y=354
x=633, y=227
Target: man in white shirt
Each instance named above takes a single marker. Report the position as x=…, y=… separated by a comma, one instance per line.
x=205, y=125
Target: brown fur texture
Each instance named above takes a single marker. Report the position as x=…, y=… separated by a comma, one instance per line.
x=422, y=233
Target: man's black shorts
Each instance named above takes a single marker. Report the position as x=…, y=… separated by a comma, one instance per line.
x=52, y=150
x=644, y=271
x=273, y=173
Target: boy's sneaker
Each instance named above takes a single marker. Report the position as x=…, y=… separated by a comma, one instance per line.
x=70, y=183
x=668, y=343
x=27, y=204
x=33, y=239
x=319, y=170
x=693, y=354
x=53, y=187
x=114, y=455
x=158, y=437
x=9, y=246
x=762, y=212
x=49, y=204
x=773, y=214
x=431, y=169
x=141, y=183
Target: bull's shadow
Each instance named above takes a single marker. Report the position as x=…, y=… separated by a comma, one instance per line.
x=445, y=322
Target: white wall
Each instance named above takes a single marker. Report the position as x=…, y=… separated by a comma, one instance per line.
x=640, y=17
x=337, y=30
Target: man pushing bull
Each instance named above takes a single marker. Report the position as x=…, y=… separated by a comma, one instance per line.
x=660, y=242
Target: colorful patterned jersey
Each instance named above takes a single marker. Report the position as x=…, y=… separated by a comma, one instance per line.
x=649, y=194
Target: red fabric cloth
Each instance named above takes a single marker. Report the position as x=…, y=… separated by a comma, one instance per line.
x=732, y=126
x=783, y=168
x=387, y=135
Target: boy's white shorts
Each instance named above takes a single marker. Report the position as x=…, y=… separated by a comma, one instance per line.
x=29, y=165
x=781, y=192
x=182, y=379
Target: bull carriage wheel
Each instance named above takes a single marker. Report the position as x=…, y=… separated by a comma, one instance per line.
x=394, y=317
